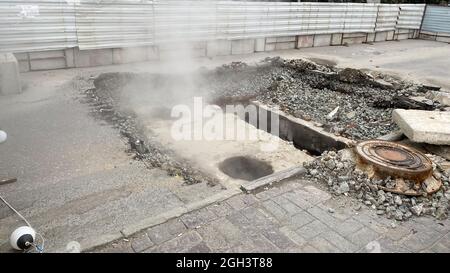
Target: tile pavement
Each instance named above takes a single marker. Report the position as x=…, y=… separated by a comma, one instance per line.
x=293, y=217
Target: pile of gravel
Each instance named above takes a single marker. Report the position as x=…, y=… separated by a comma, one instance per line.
x=338, y=171
x=310, y=91
x=362, y=105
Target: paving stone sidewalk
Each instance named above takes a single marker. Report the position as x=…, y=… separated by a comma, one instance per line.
x=297, y=216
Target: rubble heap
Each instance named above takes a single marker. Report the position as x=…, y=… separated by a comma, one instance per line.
x=339, y=172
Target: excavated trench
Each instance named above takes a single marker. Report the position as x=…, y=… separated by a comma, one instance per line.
x=320, y=107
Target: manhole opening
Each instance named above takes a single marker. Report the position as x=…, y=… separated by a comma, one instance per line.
x=245, y=168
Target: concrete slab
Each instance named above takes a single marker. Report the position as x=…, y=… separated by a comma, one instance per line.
x=432, y=127
x=22, y=59
x=218, y=48
x=271, y=40
x=96, y=57
x=129, y=55
x=285, y=39
x=51, y=54
x=305, y=41
x=48, y=64
x=354, y=40
x=260, y=45
x=70, y=57
x=322, y=40
x=244, y=46
x=390, y=35
x=443, y=39
x=9, y=75
x=371, y=37
x=402, y=36
x=284, y=45
x=381, y=36
x=270, y=46
x=336, y=39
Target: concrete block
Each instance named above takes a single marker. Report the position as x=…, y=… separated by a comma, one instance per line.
x=47, y=55
x=354, y=40
x=443, y=39
x=285, y=45
x=24, y=66
x=305, y=41
x=70, y=58
x=412, y=34
x=285, y=39
x=432, y=127
x=390, y=35
x=9, y=75
x=354, y=35
x=336, y=39
x=380, y=36
x=402, y=36
x=270, y=47
x=260, y=44
x=403, y=30
x=48, y=64
x=129, y=55
x=95, y=57
x=370, y=37
x=22, y=59
x=218, y=48
x=21, y=56
x=428, y=33
x=427, y=37
x=244, y=46
x=322, y=40
x=271, y=40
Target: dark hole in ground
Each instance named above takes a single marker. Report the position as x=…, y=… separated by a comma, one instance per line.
x=303, y=146
x=245, y=168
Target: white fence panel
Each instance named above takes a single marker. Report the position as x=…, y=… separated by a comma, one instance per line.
x=387, y=17
x=28, y=25
x=114, y=23
x=36, y=25
x=410, y=16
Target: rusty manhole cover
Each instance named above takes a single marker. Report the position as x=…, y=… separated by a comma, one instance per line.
x=396, y=160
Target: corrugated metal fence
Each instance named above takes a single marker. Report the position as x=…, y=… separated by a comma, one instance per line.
x=36, y=25
x=437, y=19
x=89, y=24
x=110, y=24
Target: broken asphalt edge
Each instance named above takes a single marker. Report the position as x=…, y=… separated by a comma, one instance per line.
x=92, y=243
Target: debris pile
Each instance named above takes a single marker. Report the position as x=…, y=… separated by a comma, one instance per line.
x=339, y=171
x=347, y=102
